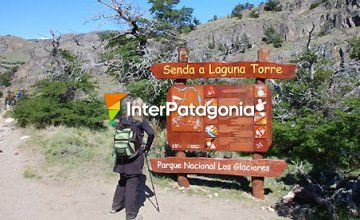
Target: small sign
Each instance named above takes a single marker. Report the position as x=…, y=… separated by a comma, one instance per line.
x=262, y=70
x=236, y=167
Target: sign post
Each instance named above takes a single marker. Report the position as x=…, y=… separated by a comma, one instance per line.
x=182, y=58
x=258, y=182
x=249, y=129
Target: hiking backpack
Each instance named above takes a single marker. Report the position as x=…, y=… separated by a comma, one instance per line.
x=125, y=141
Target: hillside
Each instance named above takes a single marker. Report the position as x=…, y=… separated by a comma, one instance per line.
x=335, y=21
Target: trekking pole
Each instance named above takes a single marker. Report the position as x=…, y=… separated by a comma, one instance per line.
x=152, y=183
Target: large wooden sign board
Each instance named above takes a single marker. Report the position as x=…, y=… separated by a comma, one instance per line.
x=247, y=128
x=242, y=132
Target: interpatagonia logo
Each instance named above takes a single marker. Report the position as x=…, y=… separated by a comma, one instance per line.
x=112, y=102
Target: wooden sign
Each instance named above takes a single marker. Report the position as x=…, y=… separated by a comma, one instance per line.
x=237, y=167
x=247, y=126
x=261, y=70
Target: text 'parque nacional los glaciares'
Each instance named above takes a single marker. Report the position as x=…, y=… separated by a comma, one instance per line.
x=263, y=70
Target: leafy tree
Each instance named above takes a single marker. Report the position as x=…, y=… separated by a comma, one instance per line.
x=65, y=97
x=214, y=18
x=165, y=11
x=273, y=5
x=315, y=119
x=128, y=55
x=236, y=12
x=55, y=103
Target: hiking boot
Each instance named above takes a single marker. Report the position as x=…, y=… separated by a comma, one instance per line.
x=113, y=211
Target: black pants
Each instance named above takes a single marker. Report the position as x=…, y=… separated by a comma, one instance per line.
x=126, y=195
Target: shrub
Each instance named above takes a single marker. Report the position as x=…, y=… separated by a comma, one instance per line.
x=243, y=44
x=355, y=48
x=29, y=173
x=236, y=12
x=254, y=14
x=6, y=77
x=272, y=37
x=273, y=5
x=214, y=18
x=54, y=103
x=314, y=5
x=327, y=142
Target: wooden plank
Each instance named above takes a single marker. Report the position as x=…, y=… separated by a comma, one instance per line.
x=234, y=133
x=236, y=167
x=256, y=69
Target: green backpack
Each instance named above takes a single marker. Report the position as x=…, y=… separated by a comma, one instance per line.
x=126, y=141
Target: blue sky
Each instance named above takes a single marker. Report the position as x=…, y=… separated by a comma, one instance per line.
x=35, y=18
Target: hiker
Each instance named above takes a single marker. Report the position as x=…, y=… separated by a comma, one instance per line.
x=9, y=100
x=130, y=168
x=20, y=94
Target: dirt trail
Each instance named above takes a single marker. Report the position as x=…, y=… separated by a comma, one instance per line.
x=22, y=198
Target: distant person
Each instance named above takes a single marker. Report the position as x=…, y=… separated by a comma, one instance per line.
x=130, y=167
x=20, y=94
x=9, y=100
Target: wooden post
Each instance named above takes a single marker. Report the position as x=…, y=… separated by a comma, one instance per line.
x=258, y=182
x=183, y=58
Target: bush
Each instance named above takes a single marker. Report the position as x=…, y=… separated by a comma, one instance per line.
x=6, y=77
x=327, y=142
x=314, y=5
x=272, y=37
x=214, y=18
x=243, y=44
x=254, y=14
x=273, y=5
x=54, y=103
x=355, y=48
x=236, y=12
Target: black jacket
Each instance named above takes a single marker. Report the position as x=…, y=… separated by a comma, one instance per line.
x=136, y=163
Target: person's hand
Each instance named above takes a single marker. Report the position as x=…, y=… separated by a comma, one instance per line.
x=145, y=149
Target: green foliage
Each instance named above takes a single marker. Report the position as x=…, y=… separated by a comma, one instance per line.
x=124, y=47
x=165, y=12
x=272, y=37
x=214, y=18
x=355, y=48
x=314, y=5
x=325, y=28
x=312, y=125
x=243, y=44
x=29, y=173
x=327, y=142
x=6, y=77
x=254, y=14
x=273, y=5
x=1, y=94
x=54, y=103
x=236, y=12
